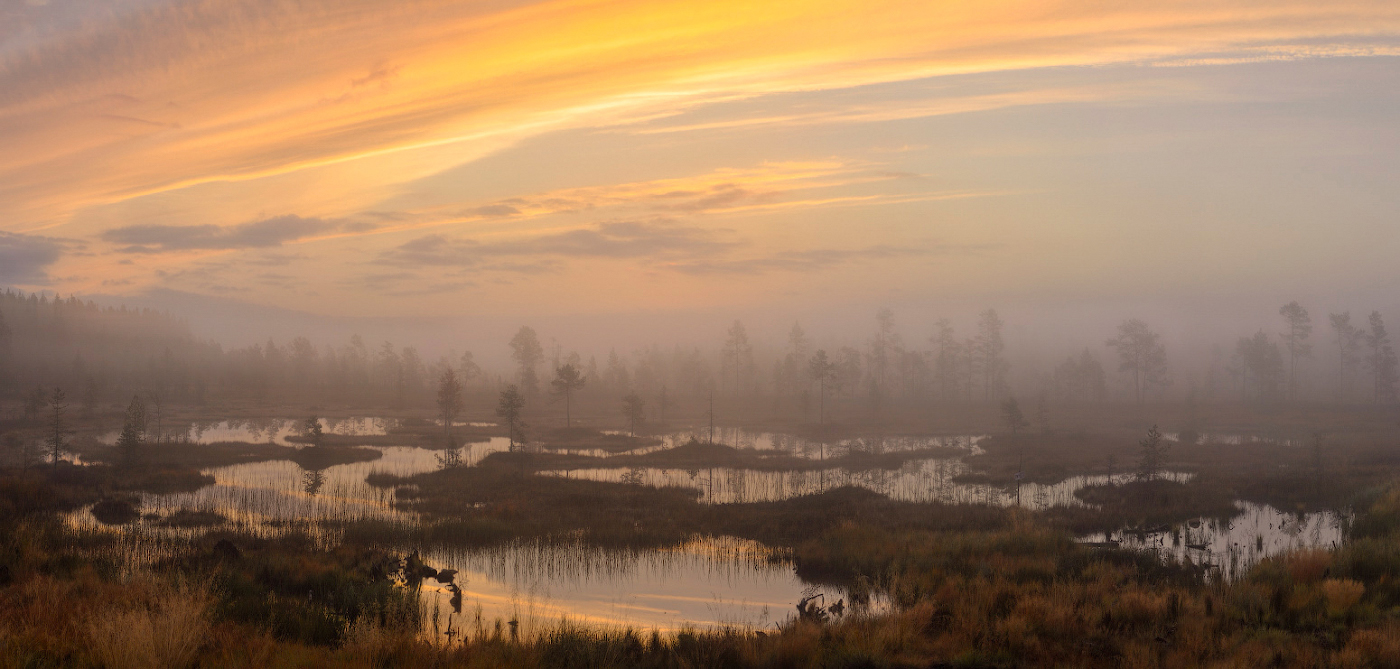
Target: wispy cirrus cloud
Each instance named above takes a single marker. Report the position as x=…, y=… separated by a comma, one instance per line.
x=108, y=101
x=881, y=111
x=765, y=186
x=820, y=259
x=120, y=117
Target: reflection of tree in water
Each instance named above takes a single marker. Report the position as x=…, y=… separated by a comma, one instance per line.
x=312, y=480
x=200, y=427
x=1041, y=498
x=450, y=457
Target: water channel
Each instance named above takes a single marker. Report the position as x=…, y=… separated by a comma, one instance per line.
x=707, y=582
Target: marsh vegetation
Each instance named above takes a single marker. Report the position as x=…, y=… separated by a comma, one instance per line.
x=481, y=524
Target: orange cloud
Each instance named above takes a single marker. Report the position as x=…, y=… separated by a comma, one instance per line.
x=770, y=186
x=139, y=101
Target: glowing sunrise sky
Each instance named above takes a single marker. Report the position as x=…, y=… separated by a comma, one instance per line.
x=364, y=157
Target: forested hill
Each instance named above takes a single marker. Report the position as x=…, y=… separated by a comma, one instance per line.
x=87, y=348
x=99, y=356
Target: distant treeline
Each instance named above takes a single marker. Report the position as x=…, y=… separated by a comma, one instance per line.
x=93, y=351
x=101, y=355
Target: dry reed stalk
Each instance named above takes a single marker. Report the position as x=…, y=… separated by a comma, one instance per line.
x=166, y=633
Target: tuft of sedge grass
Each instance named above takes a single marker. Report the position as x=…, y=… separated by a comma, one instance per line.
x=1342, y=594
x=1376, y=647
x=166, y=631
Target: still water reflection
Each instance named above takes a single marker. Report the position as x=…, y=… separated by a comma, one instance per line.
x=1231, y=546
x=915, y=481
x=255, y=430
x=706, y=582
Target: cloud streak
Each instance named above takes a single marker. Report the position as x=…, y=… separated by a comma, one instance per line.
x=767, y=186
x=257, y=234
x=617, y=240
x=102, y=102
x=685, y=250
x=170, y=130
x=821, y=259
x=901, y=110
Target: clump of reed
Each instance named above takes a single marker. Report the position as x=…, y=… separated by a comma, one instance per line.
x=166, y=628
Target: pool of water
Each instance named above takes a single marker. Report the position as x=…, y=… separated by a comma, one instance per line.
x=707, y=582
x=271, y=498
x=1240, y=438
x=257, y=430
x=915, y=481
x=786, y=444
x=1232, y=546
x=810, y=448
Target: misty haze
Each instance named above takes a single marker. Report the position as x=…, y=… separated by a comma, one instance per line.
x=646, y=333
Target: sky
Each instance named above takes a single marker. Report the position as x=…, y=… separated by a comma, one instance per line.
x=516, y=160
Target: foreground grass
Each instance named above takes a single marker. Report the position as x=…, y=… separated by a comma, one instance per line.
x=1015, y=598
x=1018, y=595
x=971, y=585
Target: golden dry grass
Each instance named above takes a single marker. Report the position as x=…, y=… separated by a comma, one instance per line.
x=166, y=631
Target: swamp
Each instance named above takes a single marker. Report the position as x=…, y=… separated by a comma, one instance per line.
x=614, y=334
x=473, y=524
